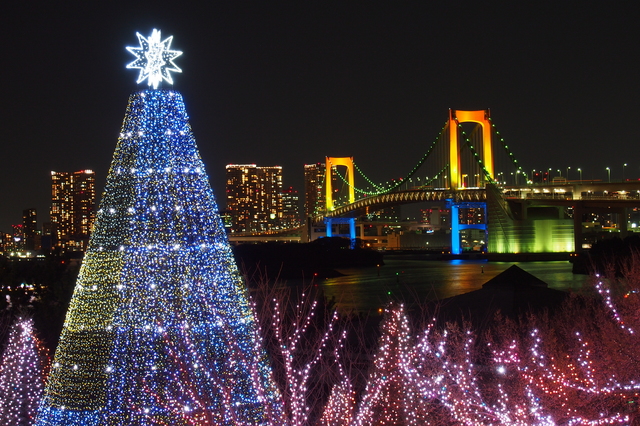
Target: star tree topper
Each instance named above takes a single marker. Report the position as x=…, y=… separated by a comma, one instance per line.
x=154, y=59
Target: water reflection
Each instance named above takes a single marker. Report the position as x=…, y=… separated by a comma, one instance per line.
x=367, y=289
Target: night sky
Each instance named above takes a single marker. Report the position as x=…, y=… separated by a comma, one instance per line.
x=287, y=83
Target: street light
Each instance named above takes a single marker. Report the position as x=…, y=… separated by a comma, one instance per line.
x=580, y=171
x=623, y=166
x=568, y=168
x=609, y=174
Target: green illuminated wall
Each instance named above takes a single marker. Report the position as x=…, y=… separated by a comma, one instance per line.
x=530, y=235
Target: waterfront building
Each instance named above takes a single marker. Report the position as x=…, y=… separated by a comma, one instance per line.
x=314, y=176
x=290, y=208
x=437, y=216
x=314, y=179
x=472, y=216
x=30, y=229
x=269, y=198
x=73, y=198
x=242, y=185
x=5, y=242
x=18, y=238
x=46, y=237
x=254, y=197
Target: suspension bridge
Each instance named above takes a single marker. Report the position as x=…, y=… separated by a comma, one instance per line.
x=470, y=167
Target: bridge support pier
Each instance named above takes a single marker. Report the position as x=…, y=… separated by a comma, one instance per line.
x=578, y=211
x=456, y=226
x=351, y=221
x=622, y=223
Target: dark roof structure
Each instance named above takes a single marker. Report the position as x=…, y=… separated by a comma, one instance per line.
x=514, y=277
x=513, y=293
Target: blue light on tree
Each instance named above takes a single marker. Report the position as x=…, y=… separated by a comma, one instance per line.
x=159, y=329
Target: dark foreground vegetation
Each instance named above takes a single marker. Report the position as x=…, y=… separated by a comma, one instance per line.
x=608, y=256
x=43, y=287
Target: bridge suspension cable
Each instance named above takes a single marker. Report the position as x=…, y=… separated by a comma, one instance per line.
x=509, y=153
x=399, y=183
x=381, y=189
x=439, y=148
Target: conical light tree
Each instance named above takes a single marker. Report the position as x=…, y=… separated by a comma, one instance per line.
x=159, y=330
x=21, y=375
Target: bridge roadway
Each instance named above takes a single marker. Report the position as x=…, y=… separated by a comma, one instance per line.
x=591, y=194
x=407, y=196
x=621, y=193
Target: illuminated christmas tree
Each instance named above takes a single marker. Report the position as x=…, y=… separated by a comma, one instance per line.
x=21, y=375
x=159, y=330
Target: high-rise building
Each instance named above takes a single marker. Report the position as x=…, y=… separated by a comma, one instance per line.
x=6, y=242
x=242, y=185
x=269, y=198
x=30, y=229
x=290, y=208
x=46, y=236
x=254, y=197
x=73, y=198
x=314, y=175
x=18, y=238
x=314, y=196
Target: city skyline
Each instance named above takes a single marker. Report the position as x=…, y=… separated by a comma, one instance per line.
x=289, y=85
x=52, y=215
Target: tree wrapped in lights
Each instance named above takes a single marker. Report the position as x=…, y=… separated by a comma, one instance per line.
x=446, y=377
x=389, y=398
x=305, y=344
x=158, y=295
x=581, y=363
x=21, y=375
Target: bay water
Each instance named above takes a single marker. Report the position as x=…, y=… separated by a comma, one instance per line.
x=413, y=280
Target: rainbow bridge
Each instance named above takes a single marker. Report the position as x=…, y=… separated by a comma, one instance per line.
x=469, y=166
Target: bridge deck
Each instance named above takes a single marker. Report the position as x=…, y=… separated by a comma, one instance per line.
x=564, y=193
